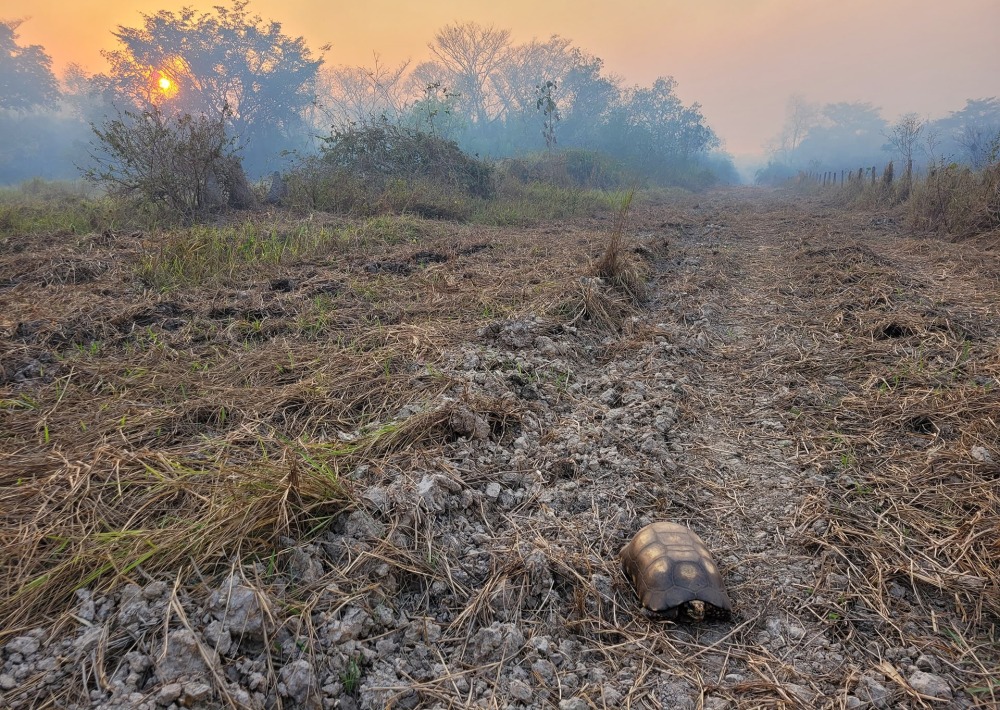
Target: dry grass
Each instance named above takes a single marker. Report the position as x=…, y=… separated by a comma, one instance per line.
x=957, y=201
x=223, y=417
x=618, y=266
x=204, y=392
x=900, y=413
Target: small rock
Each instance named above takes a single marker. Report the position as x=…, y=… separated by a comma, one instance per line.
x=195, y=694
x=155, y=590
x=804, y=694
x=496, y=641
x=169, y=693
x=297, y=678
x=873, y=690
x=432, y=492
x=87, y=640
x=574, y=704
x=545, y=670
x=361, y=525
x=86, y=609
x=353, y=624
x=24, y=645
x=7, y=681
x=463, y=422
x=183, y=659
x=218, y=636
x=303, y=566
x=239, y=608
x=520, y=691
x=930, y=684
x=493, y=490
x=981, y=454
x=378, y=497
x=928, y=663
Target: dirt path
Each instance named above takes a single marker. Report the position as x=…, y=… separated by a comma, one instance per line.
x=794, y=314
x=810, y=389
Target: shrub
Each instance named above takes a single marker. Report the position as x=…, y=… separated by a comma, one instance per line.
x=774, y=173
x=184, y=163
x=570, y=168
x=385, y=167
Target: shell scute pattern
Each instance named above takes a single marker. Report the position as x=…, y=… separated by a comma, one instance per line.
x=674, y=574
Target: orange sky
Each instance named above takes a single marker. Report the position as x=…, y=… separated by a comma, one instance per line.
x=740, y=58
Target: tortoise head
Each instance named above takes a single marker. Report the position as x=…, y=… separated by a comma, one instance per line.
x=695, y=610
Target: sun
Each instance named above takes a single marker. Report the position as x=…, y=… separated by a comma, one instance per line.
x=162, y=86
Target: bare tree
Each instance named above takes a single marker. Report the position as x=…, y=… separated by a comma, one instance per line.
x=529, y=65
x=904, y=136
x=800, y=116
x=363, y=95
x=931, y=145
x=474, y=55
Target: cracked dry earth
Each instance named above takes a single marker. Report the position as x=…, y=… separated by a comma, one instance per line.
x=487, y=576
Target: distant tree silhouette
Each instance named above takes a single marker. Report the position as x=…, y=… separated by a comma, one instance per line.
x=975, y=131
x=227, y=61
x=473, y=56
x=845, y=134
x=26, y=79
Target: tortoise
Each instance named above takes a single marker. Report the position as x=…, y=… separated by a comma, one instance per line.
x=674, y=574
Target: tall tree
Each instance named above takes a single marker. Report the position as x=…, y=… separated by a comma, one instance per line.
x=473, y=55
x=801, y=116
x=668, y=128
x=227, y=61
x=588, y=96
x=26, y=79
x=363, y=95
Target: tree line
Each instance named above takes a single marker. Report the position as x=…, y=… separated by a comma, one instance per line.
x=480, y=88
x=847, y=135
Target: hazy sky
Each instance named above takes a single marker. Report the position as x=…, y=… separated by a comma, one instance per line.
x=740, y=59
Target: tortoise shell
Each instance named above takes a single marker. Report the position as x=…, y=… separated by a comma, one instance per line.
x=674, y=573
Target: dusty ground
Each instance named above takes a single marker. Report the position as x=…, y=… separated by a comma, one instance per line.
x=813, y=390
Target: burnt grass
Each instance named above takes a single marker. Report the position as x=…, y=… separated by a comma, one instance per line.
x=392, y=465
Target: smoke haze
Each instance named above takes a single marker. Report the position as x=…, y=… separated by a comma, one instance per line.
x=741, y=59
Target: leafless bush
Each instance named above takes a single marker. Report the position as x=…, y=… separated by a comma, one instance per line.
x=184, y=163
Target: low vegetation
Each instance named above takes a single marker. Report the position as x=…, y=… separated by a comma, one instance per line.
x=210, y=397
x=948, y=199
x=185, y=402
